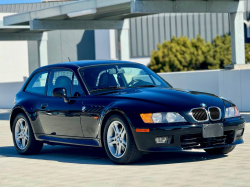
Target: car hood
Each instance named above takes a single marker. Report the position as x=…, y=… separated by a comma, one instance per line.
x=177, y=99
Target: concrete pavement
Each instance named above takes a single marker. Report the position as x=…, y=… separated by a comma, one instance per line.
x=73, y=166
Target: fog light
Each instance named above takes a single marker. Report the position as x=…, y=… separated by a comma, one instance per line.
x=239, y=132
x=166, y=139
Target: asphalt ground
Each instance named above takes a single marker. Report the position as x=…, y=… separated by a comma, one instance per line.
x=85, y=166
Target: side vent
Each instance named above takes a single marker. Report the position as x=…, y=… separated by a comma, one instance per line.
x=94, y=109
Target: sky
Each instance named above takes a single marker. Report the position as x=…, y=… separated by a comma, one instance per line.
x=18, y=1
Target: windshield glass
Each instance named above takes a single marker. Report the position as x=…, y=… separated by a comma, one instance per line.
x=105, y=77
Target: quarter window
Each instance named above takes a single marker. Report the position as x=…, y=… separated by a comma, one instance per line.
x=38, y=83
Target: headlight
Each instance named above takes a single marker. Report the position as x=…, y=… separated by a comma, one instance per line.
x=232, y=112
x=166, y=117
x=157, y=118
x=173, y=117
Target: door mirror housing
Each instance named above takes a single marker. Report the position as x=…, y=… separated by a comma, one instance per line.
x=61, y=92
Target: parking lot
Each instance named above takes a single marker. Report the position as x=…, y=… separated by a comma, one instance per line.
x=74, y=166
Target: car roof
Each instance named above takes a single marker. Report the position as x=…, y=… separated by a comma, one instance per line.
x=85, y=63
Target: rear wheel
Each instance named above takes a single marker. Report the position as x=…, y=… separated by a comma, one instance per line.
x=223, y=150
x=23, y=137
x=119, y=142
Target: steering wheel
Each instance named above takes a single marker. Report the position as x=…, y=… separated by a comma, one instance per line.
x=133, y=82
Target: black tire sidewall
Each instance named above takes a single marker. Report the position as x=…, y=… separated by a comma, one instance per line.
x=31, y=135
x=124, y=159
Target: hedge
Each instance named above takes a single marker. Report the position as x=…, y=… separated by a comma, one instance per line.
x=183, y=54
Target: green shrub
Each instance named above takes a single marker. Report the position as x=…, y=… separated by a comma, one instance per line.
x=182, y=54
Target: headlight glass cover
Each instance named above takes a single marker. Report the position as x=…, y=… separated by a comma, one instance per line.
x=157, y=117
x=173, y=117
x=165, y=117
x=232, y=112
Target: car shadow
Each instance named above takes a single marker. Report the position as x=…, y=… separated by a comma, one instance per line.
x=97, y=156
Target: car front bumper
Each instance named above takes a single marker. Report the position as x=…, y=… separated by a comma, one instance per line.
x=188, y=136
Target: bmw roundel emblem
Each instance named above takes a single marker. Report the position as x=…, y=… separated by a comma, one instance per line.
x=203, y=105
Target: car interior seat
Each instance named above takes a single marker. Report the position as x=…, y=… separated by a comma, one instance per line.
x=63, y=82
x=107, y=80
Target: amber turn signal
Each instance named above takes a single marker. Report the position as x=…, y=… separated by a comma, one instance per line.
x=236, y=112
x=147, y=118
x=142, y=130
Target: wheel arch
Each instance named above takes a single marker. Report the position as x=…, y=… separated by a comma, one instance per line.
x=105, y=118
x=17, y=110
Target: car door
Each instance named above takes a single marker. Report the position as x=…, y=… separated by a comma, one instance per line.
x=57, y=117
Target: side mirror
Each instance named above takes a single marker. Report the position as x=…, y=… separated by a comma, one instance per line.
x=61, y=92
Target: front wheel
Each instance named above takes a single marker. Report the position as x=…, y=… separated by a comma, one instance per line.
x=23, y=137
x=223, y=150
x=119, y=142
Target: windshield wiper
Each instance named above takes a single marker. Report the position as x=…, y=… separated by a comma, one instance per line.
x=149, y=85
x=108, y=88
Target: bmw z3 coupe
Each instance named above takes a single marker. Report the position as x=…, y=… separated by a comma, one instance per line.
x=123, y=107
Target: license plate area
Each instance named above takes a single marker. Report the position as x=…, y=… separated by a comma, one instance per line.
x=212, y=130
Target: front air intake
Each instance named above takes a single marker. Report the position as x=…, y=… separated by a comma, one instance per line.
x=215, y=113
x=199, y=114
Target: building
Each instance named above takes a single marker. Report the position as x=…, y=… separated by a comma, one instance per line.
x=19, y=58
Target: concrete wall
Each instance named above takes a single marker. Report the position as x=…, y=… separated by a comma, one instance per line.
x=231, y=84
x=105, y=45
x=143, y=60
x=14, y=68
x=73, y=44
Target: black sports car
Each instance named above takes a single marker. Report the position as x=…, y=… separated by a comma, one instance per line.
x=121, y=106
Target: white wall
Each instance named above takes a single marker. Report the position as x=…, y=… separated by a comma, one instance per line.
x=231, y=84
x=14, y=63
x=105, y=45
x=142, y=60
x=14, y=69
x=8, y=92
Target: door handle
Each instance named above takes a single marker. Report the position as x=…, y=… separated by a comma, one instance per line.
x=44, y=105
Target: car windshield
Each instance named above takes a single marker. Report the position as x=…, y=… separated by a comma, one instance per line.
x=112, y=77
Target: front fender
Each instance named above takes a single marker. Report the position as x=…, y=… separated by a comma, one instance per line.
x=105, y=115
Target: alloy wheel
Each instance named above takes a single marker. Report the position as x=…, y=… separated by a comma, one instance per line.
x=117, y=139
x=21, y=133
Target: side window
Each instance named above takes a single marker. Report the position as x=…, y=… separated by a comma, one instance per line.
x=76, y=88
x=37, y=84
x=60, y=78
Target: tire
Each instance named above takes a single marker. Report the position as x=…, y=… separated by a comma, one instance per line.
x=31, y=145
x=128, y=149
x=217, y=151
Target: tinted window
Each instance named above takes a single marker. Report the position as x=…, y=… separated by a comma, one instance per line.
x=76, y=88
x=126, y=76
x=60, y=79
x=38, y=83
